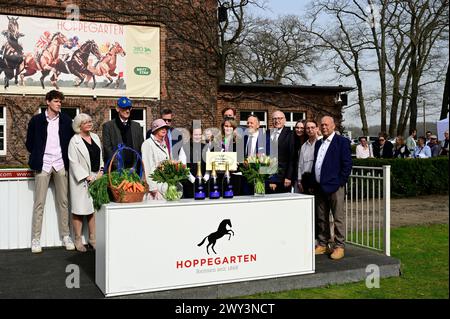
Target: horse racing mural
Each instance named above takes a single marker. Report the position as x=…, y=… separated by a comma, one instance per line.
x=78, y=57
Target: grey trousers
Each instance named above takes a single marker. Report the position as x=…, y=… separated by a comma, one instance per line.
x=42, y=180
x=325, y=203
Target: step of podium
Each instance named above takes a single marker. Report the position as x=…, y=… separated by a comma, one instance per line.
x=27, y=275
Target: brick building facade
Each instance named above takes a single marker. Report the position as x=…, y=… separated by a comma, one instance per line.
x=188, y=73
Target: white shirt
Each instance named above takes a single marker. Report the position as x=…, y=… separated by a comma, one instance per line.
x=362, y=152
x=254, y=139
x=53, y=153
x=276, y=134
x=321, y=155
x=306, y=158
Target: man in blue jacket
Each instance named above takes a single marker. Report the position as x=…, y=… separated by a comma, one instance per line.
x=48, y=138
x=332, y=167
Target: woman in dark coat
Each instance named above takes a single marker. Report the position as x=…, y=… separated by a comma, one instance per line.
x=190, y=154
x=401, y=150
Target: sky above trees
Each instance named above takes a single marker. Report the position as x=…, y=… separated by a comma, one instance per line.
x=276, y=8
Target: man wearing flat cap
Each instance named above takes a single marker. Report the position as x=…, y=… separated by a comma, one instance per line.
x=122, y=130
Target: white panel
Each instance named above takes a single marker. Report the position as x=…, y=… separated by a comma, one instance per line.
x=16, y=214
x=143, y=243
x=4, y=215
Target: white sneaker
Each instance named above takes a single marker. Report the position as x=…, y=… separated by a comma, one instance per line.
x=36, y=246
x=68, y=243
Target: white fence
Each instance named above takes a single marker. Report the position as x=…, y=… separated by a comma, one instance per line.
x=368, y=208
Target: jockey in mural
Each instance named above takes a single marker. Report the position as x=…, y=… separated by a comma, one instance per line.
x=41, y=44
x=69, y=48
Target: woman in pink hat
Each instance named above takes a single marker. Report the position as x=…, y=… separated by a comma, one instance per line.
x=154, y=151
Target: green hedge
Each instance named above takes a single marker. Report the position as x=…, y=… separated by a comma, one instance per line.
x=413, y=177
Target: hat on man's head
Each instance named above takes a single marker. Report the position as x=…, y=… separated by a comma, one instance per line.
x=157, y=124
x=433, y=137
x=124, y=102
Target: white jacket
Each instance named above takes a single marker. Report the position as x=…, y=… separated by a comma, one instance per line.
x=79, y=169
x=153, y=154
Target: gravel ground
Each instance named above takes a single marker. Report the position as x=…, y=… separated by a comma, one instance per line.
x=432, y=209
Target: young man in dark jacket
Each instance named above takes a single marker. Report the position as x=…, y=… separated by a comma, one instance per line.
x=48, y=138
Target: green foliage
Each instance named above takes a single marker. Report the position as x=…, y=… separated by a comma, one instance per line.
x=258, y=168
x=98, y=190
x=127, y=174
x=170, y=172
x=413, y=177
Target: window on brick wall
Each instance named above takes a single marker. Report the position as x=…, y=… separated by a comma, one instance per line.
x=71, y=111
x=137, y=115
x=293, y=117
x=261, y=115
x=2, y=130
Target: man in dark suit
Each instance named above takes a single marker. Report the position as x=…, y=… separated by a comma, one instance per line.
x=332, y=167
x=48, y=138
x=122, y=130
x=281, y=146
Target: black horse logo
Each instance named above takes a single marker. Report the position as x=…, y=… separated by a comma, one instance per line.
x=221, y=231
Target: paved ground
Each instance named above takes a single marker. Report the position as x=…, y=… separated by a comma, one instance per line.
x=423, y=210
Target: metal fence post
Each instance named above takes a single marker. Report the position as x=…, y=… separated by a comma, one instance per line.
x=387, y=208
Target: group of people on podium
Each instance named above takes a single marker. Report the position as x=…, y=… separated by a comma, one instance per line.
x=312, y=159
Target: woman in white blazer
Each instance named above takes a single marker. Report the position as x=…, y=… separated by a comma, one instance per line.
x=85, y=165
x=154, y=151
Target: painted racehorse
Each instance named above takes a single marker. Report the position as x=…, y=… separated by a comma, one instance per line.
x=107, y=65
x=46, y=61
x=221, y=231
x=77, y=65
x=11, y=52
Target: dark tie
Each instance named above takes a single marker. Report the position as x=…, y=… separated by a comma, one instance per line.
x=168, y=145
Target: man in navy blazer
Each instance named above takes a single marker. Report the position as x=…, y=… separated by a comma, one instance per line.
x=48, y=138
x=332, y=167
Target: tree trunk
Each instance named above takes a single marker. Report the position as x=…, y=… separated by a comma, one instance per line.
x=445, y=97
x=362, y=107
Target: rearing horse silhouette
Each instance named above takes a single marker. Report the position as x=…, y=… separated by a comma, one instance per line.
x=221, y=231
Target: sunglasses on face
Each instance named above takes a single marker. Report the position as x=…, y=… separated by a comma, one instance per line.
x=168, y=120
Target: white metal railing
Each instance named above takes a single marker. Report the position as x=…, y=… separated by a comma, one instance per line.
x=368, y=208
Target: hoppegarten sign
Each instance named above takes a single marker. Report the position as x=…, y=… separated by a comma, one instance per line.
x=78, y=57
x=159, y=245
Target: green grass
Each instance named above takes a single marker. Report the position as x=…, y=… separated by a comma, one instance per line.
x=423, y=252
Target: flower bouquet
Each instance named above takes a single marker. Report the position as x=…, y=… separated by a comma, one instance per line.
x=172, y=173
x=257, y=169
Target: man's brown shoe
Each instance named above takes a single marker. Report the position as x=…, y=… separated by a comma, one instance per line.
x=338, y=253
x=320, y=250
